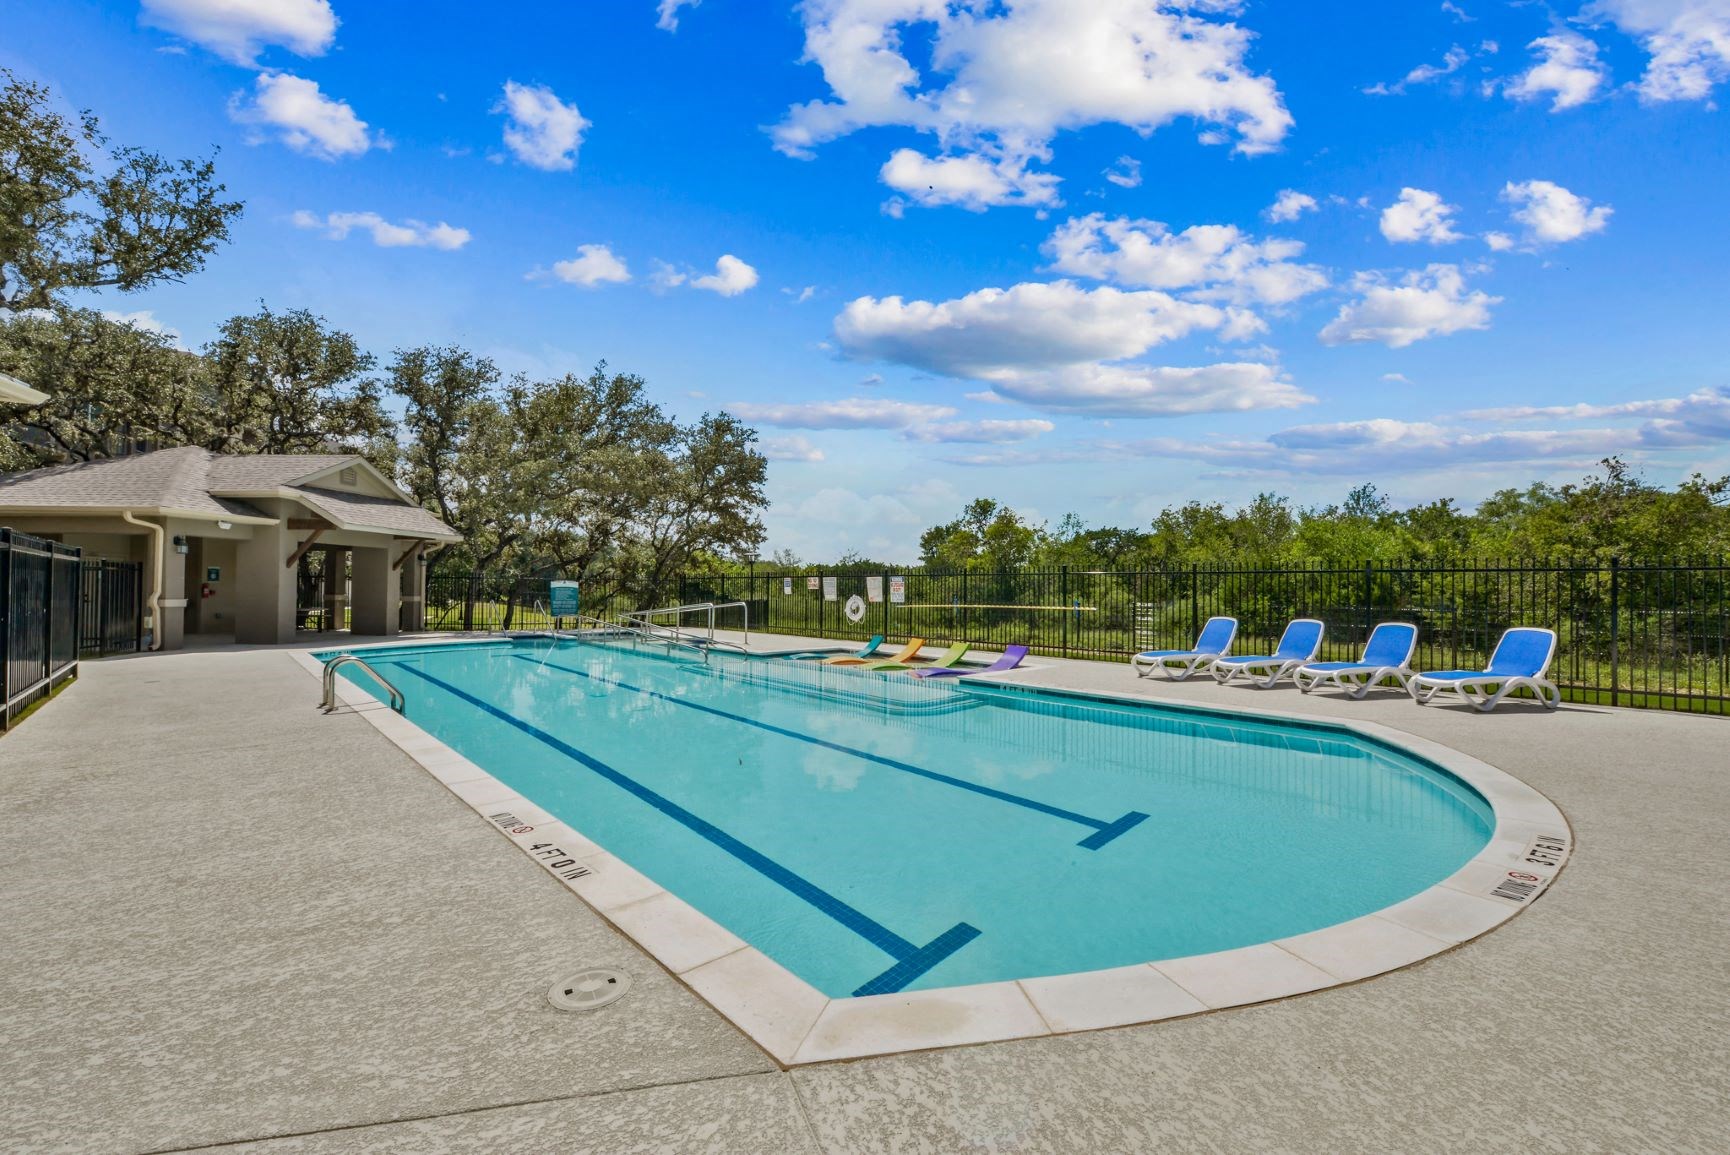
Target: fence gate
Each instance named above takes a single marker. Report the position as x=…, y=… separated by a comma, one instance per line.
x=111, y=613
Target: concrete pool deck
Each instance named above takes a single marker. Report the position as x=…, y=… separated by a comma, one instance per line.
x=231, y=918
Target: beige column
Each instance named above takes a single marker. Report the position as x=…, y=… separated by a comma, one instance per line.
x=376, y=594
x=174, y=601
x=264, y=585
x=411, y=589
x=335, y=587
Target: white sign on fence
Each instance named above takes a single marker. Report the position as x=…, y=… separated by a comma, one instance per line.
x=873, y=589
x=811, y=583
x=831, y=589
x=898, y=590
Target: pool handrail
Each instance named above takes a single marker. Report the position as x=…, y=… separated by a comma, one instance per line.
x=328, y=702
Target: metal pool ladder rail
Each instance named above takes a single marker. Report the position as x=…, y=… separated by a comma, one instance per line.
x=397, y=701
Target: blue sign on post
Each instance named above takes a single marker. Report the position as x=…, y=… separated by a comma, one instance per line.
x=563, y=599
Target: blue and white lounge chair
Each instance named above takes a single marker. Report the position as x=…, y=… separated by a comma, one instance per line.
x=1298, y=645
x=1522, y=656
x=1388, y=654
x=1214, y=642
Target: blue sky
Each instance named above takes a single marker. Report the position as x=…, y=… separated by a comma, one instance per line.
x=1078, y=255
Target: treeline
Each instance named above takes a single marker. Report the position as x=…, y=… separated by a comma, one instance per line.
x=566, y=475
x=1611, y=514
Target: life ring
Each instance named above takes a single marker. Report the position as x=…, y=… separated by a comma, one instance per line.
x=855, y=608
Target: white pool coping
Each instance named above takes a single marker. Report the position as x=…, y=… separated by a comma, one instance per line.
x=797, y=1024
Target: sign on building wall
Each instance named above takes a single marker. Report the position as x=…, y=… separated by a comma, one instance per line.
x=898, y=590
x=563, y=599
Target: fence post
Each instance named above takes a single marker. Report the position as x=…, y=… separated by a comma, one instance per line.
x=1369, y=595
x=1063, y=612
x=48, y=622
x=1194, y=598
x=886, y=605
x=1615, y=631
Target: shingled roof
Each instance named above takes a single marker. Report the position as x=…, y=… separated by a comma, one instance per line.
x=196, y=483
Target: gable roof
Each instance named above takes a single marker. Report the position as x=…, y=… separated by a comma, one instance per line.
x=195, y=483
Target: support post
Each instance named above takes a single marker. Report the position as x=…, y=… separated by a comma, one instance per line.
x=1615, y=631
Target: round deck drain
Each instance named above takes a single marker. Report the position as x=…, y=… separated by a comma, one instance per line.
x=589, y=990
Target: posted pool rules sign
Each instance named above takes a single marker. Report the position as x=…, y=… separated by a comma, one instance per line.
x=563, y=600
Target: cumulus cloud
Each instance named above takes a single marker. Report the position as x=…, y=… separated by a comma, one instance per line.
x=593, y=265
x=541, y=130
x=1688, y=42
x=385, y=234
x=1429, y=303
x=1290, y=205
x=1125, y=173
x=294, y=110
x=238, y=30
x=1455, y=59
x=730, y=278
x=1004, y=80
x=667, y=15
x=1701, y=417
x=1214, y=262
x=793, y=447
x=974, y=181
x=1055, y=345
x=845, y=413
x=1553, y=215
x=1567, y=70
x=1419, y=215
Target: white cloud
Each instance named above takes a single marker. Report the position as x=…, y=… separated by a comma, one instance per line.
x=1702, y=416
x=1396, y=379
x=1154, y=391
x=541, y=130
x=1014, y=76
x=845, y=413
x=1430, y=303
x=1567, y=69
x=1498, y=242
x=988, y=432
x=1125, y=173
x=301, y=116
x=1688, y=42
x=593, y=265
x=730, y=278
x=1419, y=216
x=975, y=182
x=1455, y=59
x=1216, y=262
x=800, y=296
x=1553, y=215
x=667, y=15
x=238, y=30
x=1053, y=345
x=410, y=233
x=1290, y=205
x=146, y=320
x=1456, y=12
x=791, y=448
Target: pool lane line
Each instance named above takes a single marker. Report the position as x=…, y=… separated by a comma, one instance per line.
x=1103, y=832
x=911, y=960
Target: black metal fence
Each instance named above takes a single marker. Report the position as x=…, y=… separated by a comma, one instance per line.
x=111, y=610
x=1654, y=634
x=39, y=594
x=1635, y=634
x=483, y=601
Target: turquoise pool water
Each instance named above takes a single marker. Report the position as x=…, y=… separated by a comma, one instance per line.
x=876, y=833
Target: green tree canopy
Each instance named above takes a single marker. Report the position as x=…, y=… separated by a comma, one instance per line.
x=65, y=225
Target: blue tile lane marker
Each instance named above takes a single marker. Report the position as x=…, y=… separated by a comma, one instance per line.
x=911, y=960
x=1103, y=832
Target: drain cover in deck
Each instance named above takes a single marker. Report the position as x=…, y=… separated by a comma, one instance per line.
x=589, y=990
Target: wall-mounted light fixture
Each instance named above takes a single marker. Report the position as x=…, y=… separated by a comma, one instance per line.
x=225, y=525
x=180, y=545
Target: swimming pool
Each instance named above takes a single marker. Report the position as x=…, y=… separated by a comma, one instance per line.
x=878, y=834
